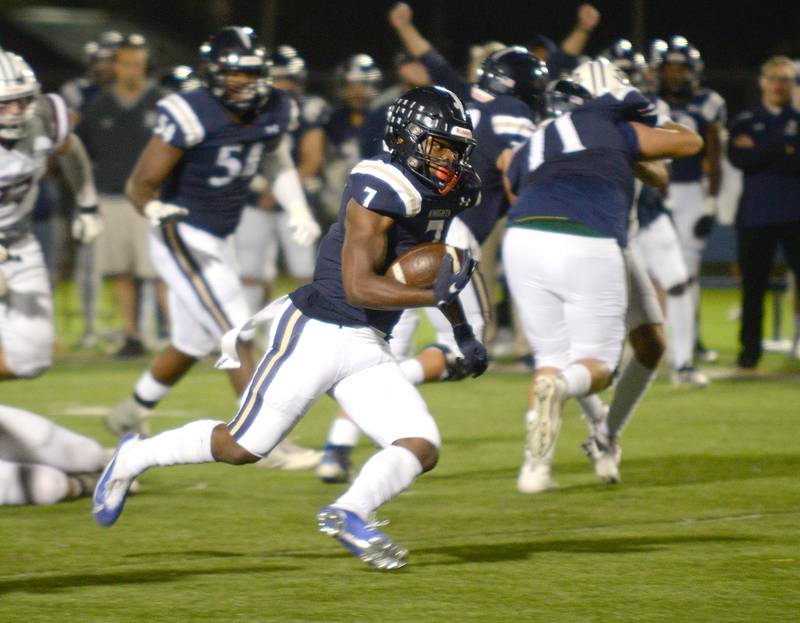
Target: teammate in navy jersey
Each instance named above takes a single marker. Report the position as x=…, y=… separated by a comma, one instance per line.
x=506, y=98
x=330, y=336
x=191, y=182
x=693, y=206
x=574, y=182
x=263, y=232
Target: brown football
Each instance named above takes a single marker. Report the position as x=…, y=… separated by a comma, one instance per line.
x=418, y=266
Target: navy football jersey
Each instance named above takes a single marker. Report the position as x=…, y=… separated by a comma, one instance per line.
x=314, y=112
x=500, y=122
x=344, y=133
x=420, y=215
x=579, y=166
x=649, y=205
x=704, y=108
x=221, y=155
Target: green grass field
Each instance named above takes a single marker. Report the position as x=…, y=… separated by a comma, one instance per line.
x=704, y=526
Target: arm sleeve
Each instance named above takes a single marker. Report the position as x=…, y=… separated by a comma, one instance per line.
x=631, y=105
x=77, y=170
x=56, y=115
x=443, y=74
x=177, y=123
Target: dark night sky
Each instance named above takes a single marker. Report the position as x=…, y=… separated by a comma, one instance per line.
x=734, y=37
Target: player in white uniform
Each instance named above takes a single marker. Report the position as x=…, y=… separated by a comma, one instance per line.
x=43, y=463
x=695, y=181
x=32, y=128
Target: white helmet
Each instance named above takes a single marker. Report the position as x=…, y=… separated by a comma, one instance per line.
x=601, y=76
x=18, y=84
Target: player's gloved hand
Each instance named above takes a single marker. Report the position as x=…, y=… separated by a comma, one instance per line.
x=160, y=213
x=704, y=225
x=448, y=284
x=476, y=359
x=87, y=225
x=305, y=230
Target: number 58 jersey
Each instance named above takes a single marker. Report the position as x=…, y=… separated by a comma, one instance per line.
x=221, y=155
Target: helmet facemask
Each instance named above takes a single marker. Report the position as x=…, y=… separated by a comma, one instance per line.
x=428, y=157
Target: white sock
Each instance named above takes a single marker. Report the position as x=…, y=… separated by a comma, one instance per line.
x=387, y=474
x=681, y=323
x=25, y=483
x=413, y=370
x=148, y=391
x=30, y=438
x=344, y=432
x=578, y=380
x=595, y=414
x=188, y=444
x=631, y=387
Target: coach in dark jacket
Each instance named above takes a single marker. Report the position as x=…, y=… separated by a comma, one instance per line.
x=765, y=144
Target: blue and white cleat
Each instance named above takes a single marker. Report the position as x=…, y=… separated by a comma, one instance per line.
x=371, y=545
x=112, y=490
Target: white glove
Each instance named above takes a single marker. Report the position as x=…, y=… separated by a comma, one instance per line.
x=305, y=230
x=160, y=213
x=87, y=226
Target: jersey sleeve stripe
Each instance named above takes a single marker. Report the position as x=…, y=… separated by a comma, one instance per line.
x=508, y=124
x=386, y=173
x=61, y=115
x=185, y=117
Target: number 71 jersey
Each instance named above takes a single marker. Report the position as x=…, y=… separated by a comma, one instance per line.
x=221, y=155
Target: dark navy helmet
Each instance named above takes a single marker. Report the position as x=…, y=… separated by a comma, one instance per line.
x=180, y=78
x=416, y=120
x=236, y=49
x=565, y=95
x=515, y=71
x=679, y=83
x=633, y=63
x=287, y=64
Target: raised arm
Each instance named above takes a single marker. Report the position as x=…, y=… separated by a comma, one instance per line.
x=401, y=19
x=588, y=19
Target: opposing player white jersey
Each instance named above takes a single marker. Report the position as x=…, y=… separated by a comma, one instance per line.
x=24, y=163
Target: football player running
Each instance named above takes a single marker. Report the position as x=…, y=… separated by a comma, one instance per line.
x=574, y=182
x=33, y=127
x=506, y=102
x=191, y=182
x=330, y=336
x=695, y=181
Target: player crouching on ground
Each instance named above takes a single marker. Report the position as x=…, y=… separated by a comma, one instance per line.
x=563, y=251
x=330, y=336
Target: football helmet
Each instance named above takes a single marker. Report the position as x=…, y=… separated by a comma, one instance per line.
x=236, y=49
x=359, y=68
x=565, y=95
x=678, y=69
x=601, y=76
x=418, y=119
x=633, y=63
x=18, y=90
x=180, y=78
x=515, y=71
x=287, y=64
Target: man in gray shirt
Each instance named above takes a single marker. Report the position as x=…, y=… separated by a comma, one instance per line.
x=115, y=127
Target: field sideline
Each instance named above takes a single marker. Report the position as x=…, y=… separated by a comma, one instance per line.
x=703, y=527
